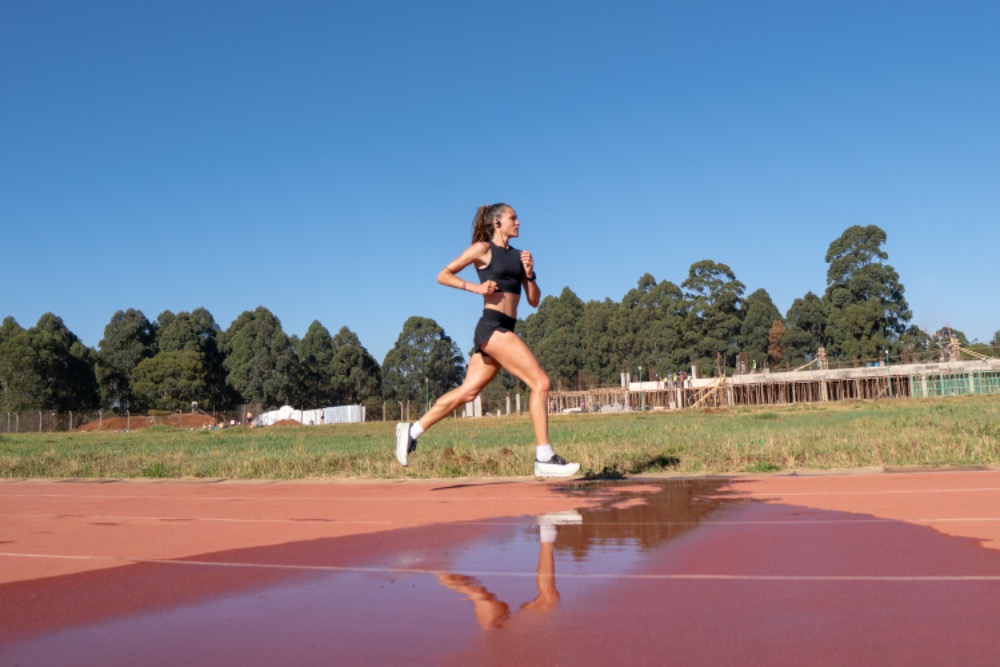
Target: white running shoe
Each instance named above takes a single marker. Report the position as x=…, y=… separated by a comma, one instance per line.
x=565, y=518
x=555, y=467
x=404, y=444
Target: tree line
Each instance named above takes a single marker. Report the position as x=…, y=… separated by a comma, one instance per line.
x=658, y=328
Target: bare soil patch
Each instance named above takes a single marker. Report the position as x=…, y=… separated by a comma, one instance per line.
x=137, y=422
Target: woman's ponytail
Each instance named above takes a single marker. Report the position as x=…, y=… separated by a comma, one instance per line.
x=482, y=223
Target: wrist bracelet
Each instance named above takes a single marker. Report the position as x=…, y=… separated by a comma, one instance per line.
x=532, y=278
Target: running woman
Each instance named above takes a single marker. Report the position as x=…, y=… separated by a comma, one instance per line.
x=504, y=272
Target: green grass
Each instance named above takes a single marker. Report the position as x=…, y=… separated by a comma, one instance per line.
x=900, y=433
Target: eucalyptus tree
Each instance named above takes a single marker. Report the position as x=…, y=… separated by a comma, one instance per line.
x=197, y=332
x=866, y=310
x=128, y=339
x=170, y=380
x=259, y=360
x=10, y=366
x=553, y=334
x=424, y=360
x=22, y=383
x=46, y=367
x=916, y=345
x=654, y=317
x=759, y=315
x=603, y=331
x=356, y=376
x=10, y=328
x=316, y=372
x=714, y=297
x=806, y=322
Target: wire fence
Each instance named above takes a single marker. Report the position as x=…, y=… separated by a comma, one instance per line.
x=50, y=421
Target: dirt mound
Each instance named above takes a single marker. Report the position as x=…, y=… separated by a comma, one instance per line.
x=286, y=422
x=137, y=423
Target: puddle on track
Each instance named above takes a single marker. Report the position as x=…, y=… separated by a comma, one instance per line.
x=415, y=595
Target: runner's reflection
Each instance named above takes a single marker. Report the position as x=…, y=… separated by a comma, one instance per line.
x=492, y=612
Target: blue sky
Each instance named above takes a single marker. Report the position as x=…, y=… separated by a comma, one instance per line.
x=325, y=159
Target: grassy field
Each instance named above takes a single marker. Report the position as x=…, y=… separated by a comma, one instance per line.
x=895, y=433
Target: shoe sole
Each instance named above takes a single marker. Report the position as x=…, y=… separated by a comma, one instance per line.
x=572, y=470
x=404, y=458
x=567, y=518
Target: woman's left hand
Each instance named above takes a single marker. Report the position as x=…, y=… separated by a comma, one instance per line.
x=529, y=262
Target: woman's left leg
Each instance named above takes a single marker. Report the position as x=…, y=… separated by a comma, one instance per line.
x=479, y=373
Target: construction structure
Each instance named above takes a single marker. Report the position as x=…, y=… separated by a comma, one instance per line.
x=981, y=375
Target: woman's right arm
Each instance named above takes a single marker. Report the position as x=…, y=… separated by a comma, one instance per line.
x=449, y=274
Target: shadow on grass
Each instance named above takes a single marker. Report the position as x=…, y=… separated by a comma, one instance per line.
x=655, y=464
x=606, y=474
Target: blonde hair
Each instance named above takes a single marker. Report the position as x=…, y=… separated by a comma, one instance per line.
x=482, y=224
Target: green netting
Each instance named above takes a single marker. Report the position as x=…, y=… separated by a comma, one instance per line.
x=956, y=384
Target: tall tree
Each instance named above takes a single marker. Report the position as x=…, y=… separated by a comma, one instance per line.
x=198, y=332
x=128, y=339
x=759, y=315
x=654, y=315
x=713, y=318
x=602, y=335
x=259, y=359
x=775, y=349
x=171, y=380
x=866, y=309
x=357, y=378
x=11, y=328
x=806, y=322
x=46, y=367
x=9, y=368
x=23, y=385
x=315, y=354
x=423, y=360
x=916, y=345
x=552, y=332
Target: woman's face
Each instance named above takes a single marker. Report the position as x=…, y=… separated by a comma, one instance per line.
x=509, y=224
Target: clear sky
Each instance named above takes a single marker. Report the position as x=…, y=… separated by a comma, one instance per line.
x=325, y=159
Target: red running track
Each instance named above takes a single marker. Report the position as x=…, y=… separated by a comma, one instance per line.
x=856, y=569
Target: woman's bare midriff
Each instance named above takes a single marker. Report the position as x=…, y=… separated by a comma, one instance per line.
x=505, y=302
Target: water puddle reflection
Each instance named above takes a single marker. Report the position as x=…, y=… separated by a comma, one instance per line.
x=416, y=595
x=592, y=544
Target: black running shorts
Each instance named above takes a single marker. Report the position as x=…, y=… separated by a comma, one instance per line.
x=492, y=320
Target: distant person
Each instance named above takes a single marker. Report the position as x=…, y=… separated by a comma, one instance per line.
x=504, y=272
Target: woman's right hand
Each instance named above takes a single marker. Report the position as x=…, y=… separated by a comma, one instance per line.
x=488, y=287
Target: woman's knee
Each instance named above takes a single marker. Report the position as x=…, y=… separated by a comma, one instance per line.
x=457, y=397
x=540, y=383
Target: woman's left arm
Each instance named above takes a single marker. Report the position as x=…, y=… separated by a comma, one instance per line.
x=530, y=286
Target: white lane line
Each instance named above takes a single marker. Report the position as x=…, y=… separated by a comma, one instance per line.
x=502, y=522
x=265, y=498
x=532, y=573
x=762, y=495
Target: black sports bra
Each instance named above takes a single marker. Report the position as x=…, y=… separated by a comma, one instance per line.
x=505, y=268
